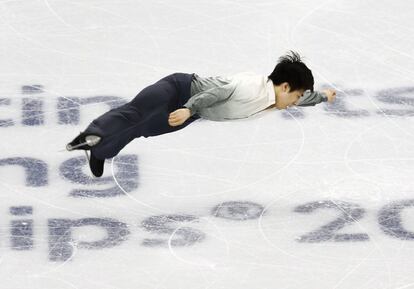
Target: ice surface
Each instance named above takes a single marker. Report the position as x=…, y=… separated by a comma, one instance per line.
x=315, y=197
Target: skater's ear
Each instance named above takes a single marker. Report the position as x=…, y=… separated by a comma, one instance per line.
x=285, y=86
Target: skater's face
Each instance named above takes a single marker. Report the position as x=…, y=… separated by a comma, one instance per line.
x=285, y=97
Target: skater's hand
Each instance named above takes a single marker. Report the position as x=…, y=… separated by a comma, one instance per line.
x=179, y=116
x=331, y=93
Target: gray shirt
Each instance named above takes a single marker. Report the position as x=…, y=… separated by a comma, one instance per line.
x=239, y=96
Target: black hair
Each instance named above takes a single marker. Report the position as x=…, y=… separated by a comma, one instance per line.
x=292, y=70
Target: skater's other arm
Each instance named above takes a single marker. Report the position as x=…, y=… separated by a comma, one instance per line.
x=209, y=97
x=201, y=100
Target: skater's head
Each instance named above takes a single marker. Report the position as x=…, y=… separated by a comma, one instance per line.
x=291, y=78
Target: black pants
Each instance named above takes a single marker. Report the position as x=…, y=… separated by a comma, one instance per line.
x=146, y=115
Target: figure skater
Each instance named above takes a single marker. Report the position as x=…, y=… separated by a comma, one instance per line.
x=175, y=101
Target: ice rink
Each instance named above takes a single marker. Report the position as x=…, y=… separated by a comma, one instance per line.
x=309, y=197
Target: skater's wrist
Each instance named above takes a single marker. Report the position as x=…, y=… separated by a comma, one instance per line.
x=191, y=111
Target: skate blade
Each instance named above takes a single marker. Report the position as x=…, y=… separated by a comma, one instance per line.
x=90, y=140
x=87, y=157
x=70, y=147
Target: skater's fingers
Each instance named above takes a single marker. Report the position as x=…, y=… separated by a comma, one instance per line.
x=176, y=118
x=173, y=115
x=173, y=123
x=173, y=119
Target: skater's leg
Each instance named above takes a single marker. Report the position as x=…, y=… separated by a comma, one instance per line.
x=116, y=128
x=121, y=125
x=152, y=125
x=146, y=115
x=115, y=124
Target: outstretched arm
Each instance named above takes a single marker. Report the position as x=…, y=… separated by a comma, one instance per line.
x=312, y=98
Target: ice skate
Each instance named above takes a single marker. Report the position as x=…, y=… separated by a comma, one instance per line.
x=83, y=142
